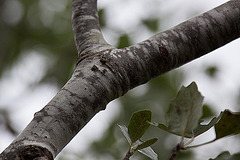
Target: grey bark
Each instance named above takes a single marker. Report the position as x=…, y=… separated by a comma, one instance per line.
x=104, y=73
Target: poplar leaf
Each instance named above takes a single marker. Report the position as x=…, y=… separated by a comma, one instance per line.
x=228, y=124
x=203, y=128
x=227, y=156
x=184, y=113
x=138, y=124
x=185, y=110
x=196, y=132
x=223, y=156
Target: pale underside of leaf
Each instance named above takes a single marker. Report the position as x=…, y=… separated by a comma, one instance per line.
x=185, y=110
x=196, y=132
x=148, y=151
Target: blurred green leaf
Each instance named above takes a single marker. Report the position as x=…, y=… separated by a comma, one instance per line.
x=222, y=156
x=235, y=156
x=138, y=124
x=51, y=37
x=211, y=71
x=185, y=155
x=228, y=124
x=147, y=143
x=123, y=41
x=227, y=156
x=101, y=14
x=207, y=111
x=151, y=24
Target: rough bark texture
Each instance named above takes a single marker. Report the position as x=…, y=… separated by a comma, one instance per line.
x=104, y=73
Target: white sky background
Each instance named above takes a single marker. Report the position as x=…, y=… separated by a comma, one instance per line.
x=123, y=16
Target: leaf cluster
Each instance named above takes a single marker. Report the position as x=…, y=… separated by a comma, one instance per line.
x=183, y=119
x=137, y=126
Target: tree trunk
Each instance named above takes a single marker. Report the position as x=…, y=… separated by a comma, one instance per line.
x=104, y=73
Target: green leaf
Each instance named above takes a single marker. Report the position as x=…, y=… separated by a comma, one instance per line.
x=208, y=111
x=148, y=151
x=101, y=14
x=185, y=111
x=203, y=128
x=141, y=145
x=138, y=124
x=211, y=71
x=125, y=133
x=151, y=24
x=228, y=124
x=196, y=132
x=223, y=156
x=226, y=156
x=235, y=156
x=146, y=143
x=123, y=41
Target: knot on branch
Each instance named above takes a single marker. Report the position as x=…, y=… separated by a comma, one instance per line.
x=163, y=51
x=32, y=152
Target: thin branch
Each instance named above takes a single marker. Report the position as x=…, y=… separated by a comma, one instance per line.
x=7, y=122
x=199, y=145
x=175, y=150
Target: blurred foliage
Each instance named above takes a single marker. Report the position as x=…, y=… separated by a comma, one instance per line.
x=208, y=111
x=227, y=156
x=42, y=27
x=123, y=41
x=155, y=96
x=152, y=24
x=5, y=121
x=211, y=71
x=101, y=14
x=184, y=155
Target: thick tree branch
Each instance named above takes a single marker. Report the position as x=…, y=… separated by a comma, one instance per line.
x=178, y=45
x=104, y=73
x=86, y=28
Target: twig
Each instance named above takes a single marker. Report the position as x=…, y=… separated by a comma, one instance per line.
x=128, y=155
x=175, y=151
x=189, y=147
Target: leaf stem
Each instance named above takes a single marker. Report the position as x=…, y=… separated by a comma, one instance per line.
x=195, y=146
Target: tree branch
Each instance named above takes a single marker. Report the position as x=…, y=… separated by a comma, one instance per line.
x=178, y=45
x=86, y=28
x=104, y=73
